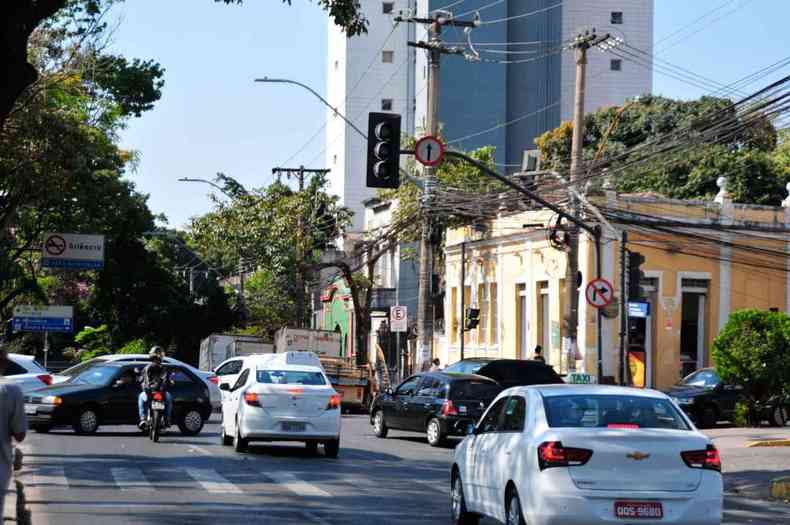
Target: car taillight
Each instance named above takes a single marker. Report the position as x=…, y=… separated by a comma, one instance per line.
x=213, y=379
x=251, y=398
x=708, y=459
x=45, y=378
x=448, y=409
x=158, y=396
x=553, y=454
x=334, y=402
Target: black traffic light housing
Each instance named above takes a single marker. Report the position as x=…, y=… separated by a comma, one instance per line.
x=383, y=150
x=635, y=274
x=472, y=318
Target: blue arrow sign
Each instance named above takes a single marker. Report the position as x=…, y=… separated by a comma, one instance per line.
x=42, y=324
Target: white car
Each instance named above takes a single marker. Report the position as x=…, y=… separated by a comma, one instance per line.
x=582, y=454
x=210, y=378
x=27, y=373
x=282, y=397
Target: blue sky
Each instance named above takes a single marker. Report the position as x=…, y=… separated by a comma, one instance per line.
x=212, y=117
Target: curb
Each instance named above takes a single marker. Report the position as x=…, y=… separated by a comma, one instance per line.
x=770, y=443
x=780, y=488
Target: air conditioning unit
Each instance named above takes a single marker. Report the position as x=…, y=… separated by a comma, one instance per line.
x=531, y=160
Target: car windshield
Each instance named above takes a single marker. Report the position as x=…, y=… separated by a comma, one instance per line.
x=290, y=377
x=465, y=367
x=78, y=369
x=95, y=375
x=612, y=411
x=703, y=378
x=473, y=389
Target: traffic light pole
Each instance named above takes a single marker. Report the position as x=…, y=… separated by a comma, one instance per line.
x=462, y=328
x=623, y=303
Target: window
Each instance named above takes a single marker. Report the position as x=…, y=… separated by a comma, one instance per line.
x=14, y=369
x=181, y=378
x=515, y=414
x=612, y=411
x=490, y=421
x=386, y=104
x=232, y=368
x=466, y=304
x=387, y=57
x=616, y=64
x=473, y=389
x=482, y=300
x=290, y=377
x=431, y=387
x=387, y=7
x=494, y=317
x=617, y=17
x=453, y=335
x=240, y=382
x=408, y=387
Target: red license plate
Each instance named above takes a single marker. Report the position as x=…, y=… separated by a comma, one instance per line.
x=638, y=510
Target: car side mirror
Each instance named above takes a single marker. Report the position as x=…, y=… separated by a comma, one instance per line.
x=224, y=386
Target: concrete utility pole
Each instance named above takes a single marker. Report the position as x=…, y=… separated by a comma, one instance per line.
x=581, y=45
x=436, y=49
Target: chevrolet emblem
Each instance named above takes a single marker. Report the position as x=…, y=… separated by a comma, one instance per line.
x=637, y=456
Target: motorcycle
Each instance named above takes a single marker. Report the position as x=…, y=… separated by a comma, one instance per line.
x=154, y=414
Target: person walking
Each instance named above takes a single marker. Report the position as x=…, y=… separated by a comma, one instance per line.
x=538, y=354
x=13, y=424
x=436, y=365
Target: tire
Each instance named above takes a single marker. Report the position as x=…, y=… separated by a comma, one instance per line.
x=460, y=515
x=513, y=514
x=312, y=447
x=780, y=415
x=708, y=417
x=42, y=429
x=225, y=439
x=379, y=424
x=191, y=422
x=87, y=421
x=239, y=443
x=434, y=432
x=156, y=425
x=332, y=448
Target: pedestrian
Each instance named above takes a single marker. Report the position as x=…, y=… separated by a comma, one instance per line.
x=436, y=365
x=538, y=354
x=13, y=424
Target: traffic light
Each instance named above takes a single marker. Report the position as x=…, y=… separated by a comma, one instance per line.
x=383, y=150
x=635, y=274
x=472, y=318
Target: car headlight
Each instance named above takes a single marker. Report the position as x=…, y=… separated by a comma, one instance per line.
x=52, y=400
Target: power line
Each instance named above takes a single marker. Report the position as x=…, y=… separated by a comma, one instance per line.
x=523, y=15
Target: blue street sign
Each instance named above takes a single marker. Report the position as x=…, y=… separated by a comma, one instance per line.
x=42, y=324
x=638, y=309
x=71, y=264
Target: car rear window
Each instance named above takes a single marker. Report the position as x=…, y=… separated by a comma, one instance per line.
x=290, y=377
x=612, y=411
x=465, y=367
x=14, y=369
x=473, y=389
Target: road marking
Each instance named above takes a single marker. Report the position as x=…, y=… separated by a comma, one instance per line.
x=130, y=479
x=46, y=476
x=200, y=450
x=212, y=481
x=296, y=485
x=315, y=518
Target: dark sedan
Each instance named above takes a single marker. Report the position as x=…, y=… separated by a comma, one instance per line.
x=106, y=394
x=508, y=372
x=437, y=403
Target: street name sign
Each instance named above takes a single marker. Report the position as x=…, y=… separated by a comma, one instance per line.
x=30, y=318
x=72, y=251
x=599, y=293
x=399, y=319
x=429, y=151
x=638, y=309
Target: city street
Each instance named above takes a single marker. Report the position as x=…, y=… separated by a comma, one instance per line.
x=120, y=477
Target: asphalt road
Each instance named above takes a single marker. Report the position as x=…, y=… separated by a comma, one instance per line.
x=118, y=476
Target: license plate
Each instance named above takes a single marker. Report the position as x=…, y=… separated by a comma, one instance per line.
x=638, y=510
x=293, y=427
x=157, y=405
x=30, y=410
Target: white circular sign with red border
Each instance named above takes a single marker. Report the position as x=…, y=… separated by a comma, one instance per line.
x=429, y=151
x=599, y=293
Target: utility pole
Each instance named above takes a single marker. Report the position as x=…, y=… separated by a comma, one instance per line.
x=299, y=173
x=623, y=303
x=581, y=45
x=436, y=49
x=462, y=288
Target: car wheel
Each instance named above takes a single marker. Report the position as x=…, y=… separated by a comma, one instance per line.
x=513, y=513
x=332, y=448
x=86, y=422
x=379, y=425
x=225, y=439
x=239, y=443
x=708, y=417
x=42, y=429
x=780, y=415
x=191, y=422
x=434, y=432
x=458, y=511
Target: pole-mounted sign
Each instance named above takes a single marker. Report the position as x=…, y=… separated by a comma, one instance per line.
x=31, y=318
x=72, y=251
x=599, y=293
x=429, y=151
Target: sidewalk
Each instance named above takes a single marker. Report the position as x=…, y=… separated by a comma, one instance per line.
x=9, y=512
x=748, y=471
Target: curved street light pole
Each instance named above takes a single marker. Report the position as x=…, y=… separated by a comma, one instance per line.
x=204, y=181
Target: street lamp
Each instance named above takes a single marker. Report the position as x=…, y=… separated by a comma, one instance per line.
x=187, y=179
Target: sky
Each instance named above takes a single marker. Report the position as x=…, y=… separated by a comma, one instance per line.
x=213, y=118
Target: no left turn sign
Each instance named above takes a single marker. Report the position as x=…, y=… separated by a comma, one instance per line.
x=599, y=293
x=429, y=151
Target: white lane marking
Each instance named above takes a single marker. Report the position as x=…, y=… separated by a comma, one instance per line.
x=129, y=478
x=44, y=476
x=296, y=485
x=201, y=450
x=212, y=481
x=315, y=518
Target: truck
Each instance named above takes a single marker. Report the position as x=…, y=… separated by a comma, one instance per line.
x=353, y=382
x=216, y=348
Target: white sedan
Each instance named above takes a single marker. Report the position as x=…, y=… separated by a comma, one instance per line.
x=26, y=372
x=568, y=454
x=282, y=397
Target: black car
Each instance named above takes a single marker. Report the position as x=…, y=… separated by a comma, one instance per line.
x=437, y=403
x=508, y=372
x=106, y=394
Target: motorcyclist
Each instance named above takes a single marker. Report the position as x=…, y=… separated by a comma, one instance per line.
x=155, y=377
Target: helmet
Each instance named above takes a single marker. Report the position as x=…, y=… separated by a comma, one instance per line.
x=156, y=352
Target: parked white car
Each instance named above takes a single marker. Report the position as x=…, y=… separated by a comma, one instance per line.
x=26, y=372
x=210, y=378
x=282, y=397
x=582, y=454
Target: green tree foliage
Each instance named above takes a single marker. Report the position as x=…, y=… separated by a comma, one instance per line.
x=94, y=342
x=135, y=346
x=270, y=299
x=753, y=350
x=756, y=173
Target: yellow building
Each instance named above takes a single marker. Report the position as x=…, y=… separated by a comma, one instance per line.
x=704, y=259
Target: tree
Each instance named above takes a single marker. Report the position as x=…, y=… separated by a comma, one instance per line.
x=20, y=18
x=753, y=350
